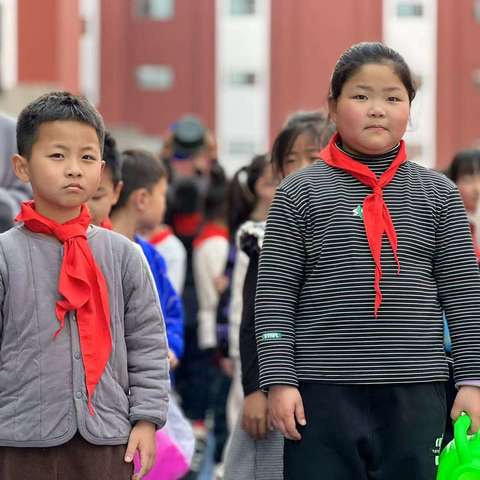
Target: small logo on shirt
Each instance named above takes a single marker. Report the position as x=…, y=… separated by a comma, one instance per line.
x=437, y=449
x=358, y=212
x=272, y=336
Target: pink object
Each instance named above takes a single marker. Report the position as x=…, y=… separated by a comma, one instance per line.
x=171, y=464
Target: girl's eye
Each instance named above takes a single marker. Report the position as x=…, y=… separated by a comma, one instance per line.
x=393, y=99
x=360, y=97
x=290, y=160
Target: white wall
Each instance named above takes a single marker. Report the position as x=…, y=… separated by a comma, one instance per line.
x=8, y=44
x=89, y=55
x=415, y=38
x=242, y=111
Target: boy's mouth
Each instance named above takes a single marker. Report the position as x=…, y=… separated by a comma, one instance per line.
x=73, y=186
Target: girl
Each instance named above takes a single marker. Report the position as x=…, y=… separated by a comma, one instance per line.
x=361, y=253
x=254, y=451
x=251, y=195
x=465, y=172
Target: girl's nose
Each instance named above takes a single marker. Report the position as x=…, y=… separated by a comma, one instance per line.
x=376, y=111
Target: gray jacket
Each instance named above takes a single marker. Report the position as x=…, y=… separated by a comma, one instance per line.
x=42, y=380
x=12, y=190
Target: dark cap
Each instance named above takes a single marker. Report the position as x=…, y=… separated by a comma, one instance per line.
x=188, y=136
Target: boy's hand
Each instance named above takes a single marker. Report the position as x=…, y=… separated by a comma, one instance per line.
x=142, y=438
x=255, y=415
x=285, y=406
x=172, y=360
x=468, y=401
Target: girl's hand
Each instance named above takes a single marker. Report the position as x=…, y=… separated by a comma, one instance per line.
x=142, y=438
x=255, y=415
x=286, y=406
x=468, y=401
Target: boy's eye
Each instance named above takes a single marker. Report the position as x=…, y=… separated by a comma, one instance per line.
x=393, y=99
x=89, y=157
x=56, y=155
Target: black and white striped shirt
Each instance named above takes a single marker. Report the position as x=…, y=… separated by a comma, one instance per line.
x=315, y=299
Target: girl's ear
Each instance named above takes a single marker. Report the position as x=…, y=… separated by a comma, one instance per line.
x=332, y=110
x=20, y=167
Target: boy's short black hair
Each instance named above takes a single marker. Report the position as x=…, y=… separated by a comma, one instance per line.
x=52, y=107
x=112, y=158
x=140, y=169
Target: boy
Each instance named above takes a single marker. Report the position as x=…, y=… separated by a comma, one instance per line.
x=141, y=206
x=83, y=356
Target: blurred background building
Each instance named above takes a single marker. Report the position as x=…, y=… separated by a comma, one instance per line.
x=240, y=65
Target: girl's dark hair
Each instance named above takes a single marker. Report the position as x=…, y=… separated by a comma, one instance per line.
x=315, y=124
x=242, y=197
x=465, y=162
x=112, y=158
x=369, y=53
x=215, y=202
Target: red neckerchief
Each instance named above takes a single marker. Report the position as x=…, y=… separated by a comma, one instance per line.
x=107, y=223
x=160, y=236
x=187, y=224
x=208, y=231
x=83, y=287
x=376, y=216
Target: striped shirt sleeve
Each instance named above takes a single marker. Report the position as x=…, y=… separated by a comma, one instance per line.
x=280, y=281
x=458, y=280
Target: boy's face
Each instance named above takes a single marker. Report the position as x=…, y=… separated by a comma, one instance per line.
x=104, y=198
x=64, y=168
x=153, y=208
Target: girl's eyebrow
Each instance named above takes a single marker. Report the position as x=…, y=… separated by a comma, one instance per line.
x=369, y=89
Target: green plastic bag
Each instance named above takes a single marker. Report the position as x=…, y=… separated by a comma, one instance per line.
x=460, y=459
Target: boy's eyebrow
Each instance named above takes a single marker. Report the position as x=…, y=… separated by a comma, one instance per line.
x=64, y=147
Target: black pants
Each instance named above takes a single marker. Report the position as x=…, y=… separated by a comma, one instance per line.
x=368, y=432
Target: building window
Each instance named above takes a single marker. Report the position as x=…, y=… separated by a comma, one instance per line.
x=242, y=7
x=238, y=79
x=155, y=9
x=240, y=147
x=476, y=10
x=155, y=77
x=409, y=9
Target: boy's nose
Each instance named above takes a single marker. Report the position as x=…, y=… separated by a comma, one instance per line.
x=73, y=169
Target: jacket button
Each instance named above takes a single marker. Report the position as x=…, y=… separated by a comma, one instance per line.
x=77, y=356
x=78, y=395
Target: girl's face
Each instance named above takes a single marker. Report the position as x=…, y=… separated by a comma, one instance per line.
x=468, y=186
x=303, y=153
x=371, y=113
x=266, y=185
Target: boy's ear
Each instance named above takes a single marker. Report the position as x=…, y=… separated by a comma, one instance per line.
x=116, y=192
x=332, y=110
x=140, y=199
x=21, y=168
